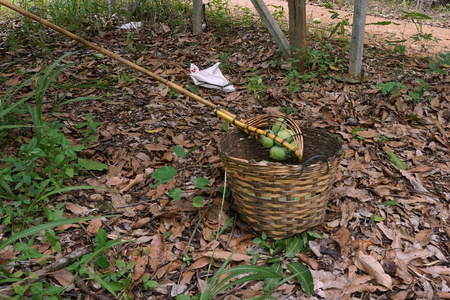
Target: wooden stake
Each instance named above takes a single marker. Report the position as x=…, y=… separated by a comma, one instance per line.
x=197, y=16
x=272, y=26
x=298, y=33
x=357, y=43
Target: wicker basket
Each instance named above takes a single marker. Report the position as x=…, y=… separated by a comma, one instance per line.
x=280, y=199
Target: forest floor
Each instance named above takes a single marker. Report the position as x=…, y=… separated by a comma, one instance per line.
x=386, y=232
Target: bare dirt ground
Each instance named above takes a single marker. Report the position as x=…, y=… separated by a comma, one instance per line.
x=398, y=30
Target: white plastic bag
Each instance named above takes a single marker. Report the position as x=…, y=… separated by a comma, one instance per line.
x=131, y=25
x=211, y=78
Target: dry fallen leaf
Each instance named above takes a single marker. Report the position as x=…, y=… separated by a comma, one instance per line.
x=93, y=226
x=220, y=254
x=372, y=267
x=138, y=179
x=141, y=222
x=63, y=277
x=157, y=252
x=77, y=209
x=139, y=267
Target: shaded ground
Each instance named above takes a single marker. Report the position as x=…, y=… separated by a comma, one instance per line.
x=408, y=236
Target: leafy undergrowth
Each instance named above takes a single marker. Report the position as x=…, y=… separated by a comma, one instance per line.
x=386, y=232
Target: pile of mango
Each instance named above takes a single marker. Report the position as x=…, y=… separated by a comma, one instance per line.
x=277, y=150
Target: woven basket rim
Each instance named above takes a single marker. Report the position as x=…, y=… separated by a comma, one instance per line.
x=272, y=163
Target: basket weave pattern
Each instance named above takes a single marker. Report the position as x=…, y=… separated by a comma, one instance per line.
x=280, y=199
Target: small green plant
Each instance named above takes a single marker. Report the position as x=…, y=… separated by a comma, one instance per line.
x=120, y=280
x=293, y=77
x=255, y=85
x=290, y=110
x=26, y=252
x=88, y=128
x=417, y=93
x=417, y=18
x=285, y=250
x=168, y=173
x=149, y=283
x=381, y=139
x=279, y=15
x=391, y=86
x=245, y=15
x=224, y=61
x=439, y=62
x=219, y=11
x=341, y=25
x=215, y=284
x=45, y=161
x=377, y=218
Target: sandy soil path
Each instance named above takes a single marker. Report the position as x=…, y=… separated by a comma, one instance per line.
x=374, y=33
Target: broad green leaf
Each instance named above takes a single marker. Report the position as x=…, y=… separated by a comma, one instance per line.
x=151, y=284
x=92, y=165
x=390, y=203
x=396, y=161
x=225, y=126
x=54, y=290
x=315, y=235
x=26, y=179
x=175, y=194
x=164, y=174
x=303, y=276
x=39, y=152
x=271, y=283
x=101, y=262
x=121, y=263
x=102, y=236
x=59, y=159
x=70, y=172
x=179, y=151
x=259, y=273
x=264, y=236
x=257, y=241
x=296, y=245
x=78, y=148
x=377, y=218
x=197, y=201
x=201, y=183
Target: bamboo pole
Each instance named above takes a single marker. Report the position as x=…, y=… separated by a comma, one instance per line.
x=220, y=112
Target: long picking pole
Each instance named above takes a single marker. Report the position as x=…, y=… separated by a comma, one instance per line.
x=116, y=57
x=222, y=113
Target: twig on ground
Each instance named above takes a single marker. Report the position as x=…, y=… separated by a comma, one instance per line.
x=57, y=265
